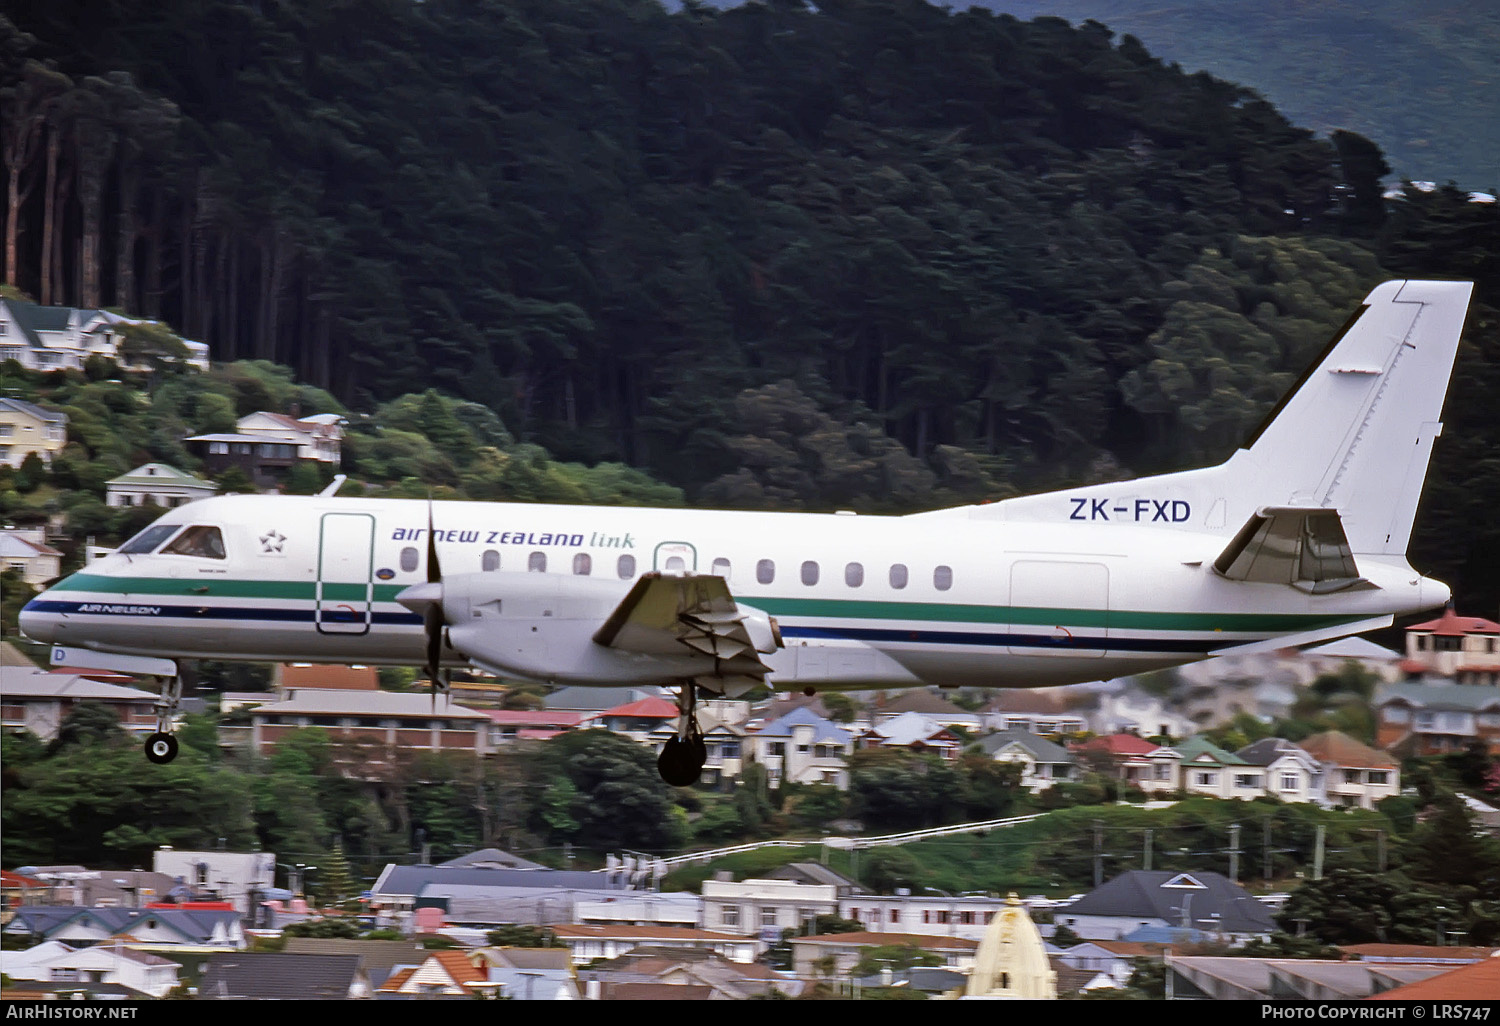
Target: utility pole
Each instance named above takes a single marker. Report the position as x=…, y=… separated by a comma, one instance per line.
x=1098, y=853
x=1265, y=849
x=1234, y=853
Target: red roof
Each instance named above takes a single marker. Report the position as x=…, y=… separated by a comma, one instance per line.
x=646, y=708
x=1117, y=744
x=1451, y=625
x=1479, y=981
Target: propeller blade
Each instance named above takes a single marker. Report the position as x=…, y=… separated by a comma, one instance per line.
x=430, y=596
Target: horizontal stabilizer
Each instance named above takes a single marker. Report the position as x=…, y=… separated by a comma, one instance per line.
x=1303, y=547
x=1342, y=630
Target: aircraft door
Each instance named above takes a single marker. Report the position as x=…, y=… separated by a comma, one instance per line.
x=345, y=587
x=1059, y=608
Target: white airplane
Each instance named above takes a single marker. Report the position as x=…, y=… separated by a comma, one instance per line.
x=1298, y=537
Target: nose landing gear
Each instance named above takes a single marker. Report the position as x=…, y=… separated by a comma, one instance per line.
x=161, y=747
x=682, y=757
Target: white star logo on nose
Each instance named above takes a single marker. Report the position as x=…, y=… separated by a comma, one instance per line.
x=271, y=541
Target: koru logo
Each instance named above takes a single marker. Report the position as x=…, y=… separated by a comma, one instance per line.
x=271, y=541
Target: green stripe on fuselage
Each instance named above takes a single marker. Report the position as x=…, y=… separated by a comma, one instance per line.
x=815, y=609
x=224, y=587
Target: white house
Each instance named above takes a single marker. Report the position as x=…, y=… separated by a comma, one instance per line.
x=113, y=962
x=157, y=484
x=240, y=878
x=48, y=338
x=25, y=549
x=764, y=908
x=1291, y=773
x=1042, y=762
x=27, y=428
x=319, y=437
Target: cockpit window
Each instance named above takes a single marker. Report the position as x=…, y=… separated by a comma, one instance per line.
x=206, y=542
x=149, y=539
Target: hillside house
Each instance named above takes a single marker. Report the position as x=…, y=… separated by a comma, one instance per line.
x=27, y=428
x=156, y=484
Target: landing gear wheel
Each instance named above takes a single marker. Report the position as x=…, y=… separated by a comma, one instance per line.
x=161, y=748
x=681, y=762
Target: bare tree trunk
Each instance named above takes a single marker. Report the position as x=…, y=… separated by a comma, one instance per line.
x=126, y=234
x=155, y=228
x=60, y=242
x=49, y=212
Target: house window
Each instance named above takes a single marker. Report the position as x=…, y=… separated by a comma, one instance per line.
x=1205, y=779
x=765, y=571
x=1380, y=777
x=768, y=916
x=1289, y=781
x=625, y=567
x=218, y=448
x=1351, y=776
x=1246, y=780
x=730, y=916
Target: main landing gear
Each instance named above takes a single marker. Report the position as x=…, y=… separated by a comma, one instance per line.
x=161, y=747
x=682, y=757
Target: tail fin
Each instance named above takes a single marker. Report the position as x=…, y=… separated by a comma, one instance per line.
x=1353, y=436
x=1357, y=432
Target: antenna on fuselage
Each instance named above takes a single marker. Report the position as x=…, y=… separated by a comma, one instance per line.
x=332, y=488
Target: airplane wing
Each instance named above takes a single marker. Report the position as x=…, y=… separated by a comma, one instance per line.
x=664, y=613
x=1300, y=546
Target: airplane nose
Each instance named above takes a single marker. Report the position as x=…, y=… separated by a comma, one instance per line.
x=37, y=622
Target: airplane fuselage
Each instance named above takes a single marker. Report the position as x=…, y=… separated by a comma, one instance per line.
x=950, y=598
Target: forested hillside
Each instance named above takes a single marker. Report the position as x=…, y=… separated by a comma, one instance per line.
x=873, y=254
x=1416, y=76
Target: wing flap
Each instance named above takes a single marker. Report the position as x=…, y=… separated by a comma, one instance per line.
x=665, y=613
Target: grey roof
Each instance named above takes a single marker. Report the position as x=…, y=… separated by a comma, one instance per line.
x=378, y=958
x=1268, y=750
x=1164, y=895
x=160, y=474
x=1040, y=748
x=490, y=858
x=195, y=925
x=414, y=880
x=271, y=975
x=815, y=873
x=823, y=730
x=598, y=699
x=33, y=410
x=24, y=682
x=340, y=702
x=1456, y=697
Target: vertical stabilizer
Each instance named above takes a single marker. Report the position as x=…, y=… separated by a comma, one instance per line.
x=1357, y=433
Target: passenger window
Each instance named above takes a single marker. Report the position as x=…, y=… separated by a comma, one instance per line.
x=625, y=567
x=148, y=539
x=409, y=559
x=537, y=563
x=898, y=575
x=854, y=575
x=942, y=578
x=721, y=568
x=490, y=560
x=810, y=573
x=765, y=571
x=583, y=564
x=205, y=542
x=675, y=563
